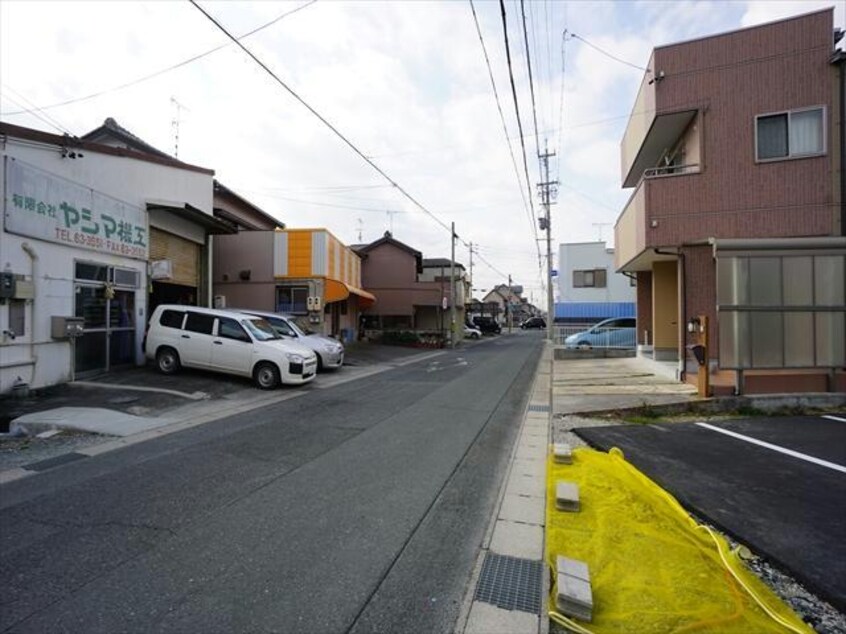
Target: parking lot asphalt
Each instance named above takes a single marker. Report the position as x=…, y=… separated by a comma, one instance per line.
x=777, y=485
x=114, y=390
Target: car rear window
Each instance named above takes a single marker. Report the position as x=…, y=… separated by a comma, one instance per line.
x=199, y=322
x=171, y=318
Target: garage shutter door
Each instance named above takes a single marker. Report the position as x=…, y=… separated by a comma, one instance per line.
x=184, y=254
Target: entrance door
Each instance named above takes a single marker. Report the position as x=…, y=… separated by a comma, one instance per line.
x=104, y=297
x=92, y=348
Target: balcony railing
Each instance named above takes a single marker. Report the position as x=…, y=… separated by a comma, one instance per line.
x=671, y=170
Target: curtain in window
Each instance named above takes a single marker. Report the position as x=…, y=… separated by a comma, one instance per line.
x=806, y=132
x=772, y=136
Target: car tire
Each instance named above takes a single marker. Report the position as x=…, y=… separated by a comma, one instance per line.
x=167, y=360
x=319, y=363
x=583, y=345
x=266, y=376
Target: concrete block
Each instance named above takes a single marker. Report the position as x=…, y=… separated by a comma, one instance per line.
x=574, y=596
x=572, y=568
x=563, y=453
x=566, y=496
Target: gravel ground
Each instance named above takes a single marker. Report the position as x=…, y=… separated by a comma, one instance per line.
x=20, y=451
x=819, y=614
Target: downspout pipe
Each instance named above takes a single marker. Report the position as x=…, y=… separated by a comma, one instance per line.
x=682, y=369
x=842, y=64
x=33, y=260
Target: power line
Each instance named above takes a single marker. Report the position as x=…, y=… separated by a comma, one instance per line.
x=531, y=79
x=534, y=107
x=35, y=111
x=607, y=54
x=517, y=110
x=531, y=216
x=315, y=203
x=491, y=266
x=134, y=82
x=321, y=118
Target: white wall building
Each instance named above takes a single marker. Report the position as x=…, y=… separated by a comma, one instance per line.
x=76, y=242
x=586, y=274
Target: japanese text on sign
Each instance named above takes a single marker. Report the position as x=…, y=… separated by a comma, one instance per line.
x=46, y=206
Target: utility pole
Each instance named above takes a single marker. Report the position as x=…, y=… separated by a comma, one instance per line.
x=452, y=287
x=471, y=269
x=509, y=306
x=547, y=192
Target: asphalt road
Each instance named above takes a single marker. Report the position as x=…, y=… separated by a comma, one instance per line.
x=789, y=506
x=359, y=508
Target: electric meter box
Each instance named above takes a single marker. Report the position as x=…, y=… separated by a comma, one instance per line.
x=66, y=327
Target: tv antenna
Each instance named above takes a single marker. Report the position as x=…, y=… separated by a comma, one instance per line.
x=177, y=119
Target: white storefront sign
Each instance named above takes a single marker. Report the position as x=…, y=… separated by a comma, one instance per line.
x=45, y=206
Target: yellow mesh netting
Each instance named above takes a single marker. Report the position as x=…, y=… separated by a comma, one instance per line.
x=653, y=569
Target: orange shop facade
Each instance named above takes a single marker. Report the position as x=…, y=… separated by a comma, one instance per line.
x=308, y=273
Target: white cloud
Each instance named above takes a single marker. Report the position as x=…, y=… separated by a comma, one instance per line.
x=405, y=81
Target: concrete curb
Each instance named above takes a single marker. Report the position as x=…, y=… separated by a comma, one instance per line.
x=516, y=528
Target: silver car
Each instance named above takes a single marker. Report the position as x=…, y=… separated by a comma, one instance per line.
x=330, y=352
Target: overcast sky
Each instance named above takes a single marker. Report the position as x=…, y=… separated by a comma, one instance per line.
x=405, y=82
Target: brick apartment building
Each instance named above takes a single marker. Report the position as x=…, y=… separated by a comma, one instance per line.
x=734, y=149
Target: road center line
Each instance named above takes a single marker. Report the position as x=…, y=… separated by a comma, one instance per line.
x=830, y=417
x=784, y=450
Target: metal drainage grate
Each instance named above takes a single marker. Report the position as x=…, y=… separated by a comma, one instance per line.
x=538, y=408
x=511, y=583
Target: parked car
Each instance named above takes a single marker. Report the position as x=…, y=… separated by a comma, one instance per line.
x=617, y=332
x=487, y=325
x=225, y=341
x=470, y=332
x=533, y=322
x=329, y=351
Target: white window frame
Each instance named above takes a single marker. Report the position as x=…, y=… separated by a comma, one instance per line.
x=791, y=156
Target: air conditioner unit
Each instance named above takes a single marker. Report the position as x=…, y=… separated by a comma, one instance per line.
x=219, y=301
x=161, y=269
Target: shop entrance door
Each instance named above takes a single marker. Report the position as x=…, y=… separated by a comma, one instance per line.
x=108, y=314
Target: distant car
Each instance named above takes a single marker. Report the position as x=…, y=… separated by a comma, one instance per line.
x=329, y=351
x=533, y=322
x=487, y=325
x=225, y=341
x=617, y=332
x=471, y=332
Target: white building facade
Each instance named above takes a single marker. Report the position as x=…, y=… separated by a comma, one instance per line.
x=588, y=288
x=75, y=248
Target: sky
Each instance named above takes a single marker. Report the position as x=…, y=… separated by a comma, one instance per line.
x=405, y=82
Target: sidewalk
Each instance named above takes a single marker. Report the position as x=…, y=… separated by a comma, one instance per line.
x=511, y=584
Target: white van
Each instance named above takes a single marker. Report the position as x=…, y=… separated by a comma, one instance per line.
x=224, y=341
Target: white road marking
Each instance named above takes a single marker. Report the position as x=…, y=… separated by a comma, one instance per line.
x=830, y=417
x=784, y=450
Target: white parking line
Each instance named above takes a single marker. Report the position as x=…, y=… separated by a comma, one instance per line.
x=784, y=450
x=830, y=417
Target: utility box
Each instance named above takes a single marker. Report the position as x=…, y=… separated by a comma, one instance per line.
x=7, y=285
x=66, y=327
